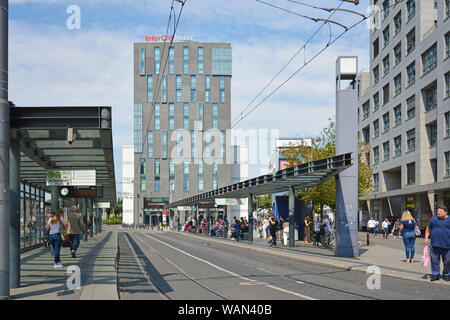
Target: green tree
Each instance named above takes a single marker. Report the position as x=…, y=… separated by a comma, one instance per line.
x=265, y=202
x=324, y=146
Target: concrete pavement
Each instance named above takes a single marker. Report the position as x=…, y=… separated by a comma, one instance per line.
x=388, y=254
x=96, y=260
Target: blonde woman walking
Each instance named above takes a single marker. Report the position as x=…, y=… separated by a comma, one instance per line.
x=54, y=226
x=406, y=229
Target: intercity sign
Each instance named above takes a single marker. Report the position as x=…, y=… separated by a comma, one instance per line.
x=227, y=201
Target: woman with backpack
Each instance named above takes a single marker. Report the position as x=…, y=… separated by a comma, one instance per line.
x=54, y=226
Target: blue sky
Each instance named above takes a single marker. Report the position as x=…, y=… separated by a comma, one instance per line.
x=52, y=65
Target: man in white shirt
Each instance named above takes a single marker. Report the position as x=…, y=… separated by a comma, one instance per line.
x=385, y=225
x=371, y=225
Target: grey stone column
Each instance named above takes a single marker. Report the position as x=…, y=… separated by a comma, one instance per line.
x=14, y=229
x=291, y=216
x=250, y=218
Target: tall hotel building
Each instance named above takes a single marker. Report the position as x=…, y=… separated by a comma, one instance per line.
x=404, y=109
x=182, y=108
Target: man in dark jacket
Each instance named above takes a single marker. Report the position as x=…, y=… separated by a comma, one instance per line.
x=273, y=226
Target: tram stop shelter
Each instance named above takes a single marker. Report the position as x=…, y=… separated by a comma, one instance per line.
x=305, y=175
x=64, y=138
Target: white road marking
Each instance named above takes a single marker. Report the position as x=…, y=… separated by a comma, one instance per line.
x=230, y=272
x=300, y=282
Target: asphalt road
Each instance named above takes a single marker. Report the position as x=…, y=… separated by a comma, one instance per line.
x=167, y=266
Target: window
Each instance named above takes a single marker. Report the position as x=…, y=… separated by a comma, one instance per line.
x=376, y=128
x=366, y=109
x=193, y=82
x=376, y=101
x=376, y=48
x=193, y=141
x=164, y=145
x=200, y=175
x=376, y=182
x=214, y=115
x=386, y=94
x=214, y=174
x=430, y=98
x=186, y=67
x=411, y=107
x=398, y=53
x=178, y=93
x=398, y=146
x=137, y=127
x=398, y=115
x=411, y=173
x=366, y=134
x=178, y=84
x=411, y=140
x=447, y=45
x=386, y=6
x=447, y=124
x=222, y=96
x=157, y=184
x=432, y=134
x=386, y=65
x=398, y=84
x=411, y=71
x=386, y=36
x=207, y=82
x=447, y=84
x=142, y=61
x=429, y=59
x=171, y=60
x=179, y=143
x=376, y=75
x=157, y=167
x=200, y=116
x=398, y=23
x=222, y=144
x=410, y=41
x=376, y=155
x=185, y=53
x=447, y=164
x=200, y=60
x=193, y=95
x=207, y=144
x=171, y=183
x=171, y=167
x=149, y=144
x=186, y=116
x=186, y=175
x=157, y=119
x=164, y=89
x=386, y=122
x=222, y=82
x=411, y=8
x=149, y=89
x=447, y=4
x=386, y=151
x=142, y=167
x=207, y=95
x=143, y=184
x=171, y=116
x=157, y=60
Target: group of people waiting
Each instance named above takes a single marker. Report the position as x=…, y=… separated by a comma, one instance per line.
x=387, y=227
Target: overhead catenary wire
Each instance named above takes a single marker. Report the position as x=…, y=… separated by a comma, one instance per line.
x=165, y=64
x=285, y=66
x=316, y=55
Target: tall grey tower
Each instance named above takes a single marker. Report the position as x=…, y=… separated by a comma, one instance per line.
x=182, y=108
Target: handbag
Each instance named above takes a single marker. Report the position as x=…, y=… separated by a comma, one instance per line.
x=417, y=231
x=425, y=257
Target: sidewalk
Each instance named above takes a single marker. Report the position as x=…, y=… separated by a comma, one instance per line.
x=96, y=260
x=387, y=254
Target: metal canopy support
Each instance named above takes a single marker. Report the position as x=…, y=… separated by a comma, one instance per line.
x=291, y=216
x=250, y=218
x=14, y=230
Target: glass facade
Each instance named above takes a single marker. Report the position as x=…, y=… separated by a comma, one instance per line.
x=138, y=127
x=34, y=212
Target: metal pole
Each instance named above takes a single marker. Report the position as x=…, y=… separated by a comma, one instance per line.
x=91, y=215
x=55, y=199
x=85, y=234
x=14, y=228
x=95, y=221
x=291, y=216
x=4, y=155
x=250, y=218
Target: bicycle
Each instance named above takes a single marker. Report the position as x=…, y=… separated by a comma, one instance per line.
x=328, y=239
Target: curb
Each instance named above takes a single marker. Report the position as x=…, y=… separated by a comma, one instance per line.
x=300, y=256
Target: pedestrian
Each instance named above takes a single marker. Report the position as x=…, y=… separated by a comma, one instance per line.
x=409, y=236
x=74, y=227
x=385, y=225
x=307, y=229
x=273, y=226
x=194, y=225
x=266, y=224
x=439, y=230
x=286, y=232
x=54, y=226
x=396, y=228
x=377, y=225
x=237, y=228
x=371, y=225
x=316, y=231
